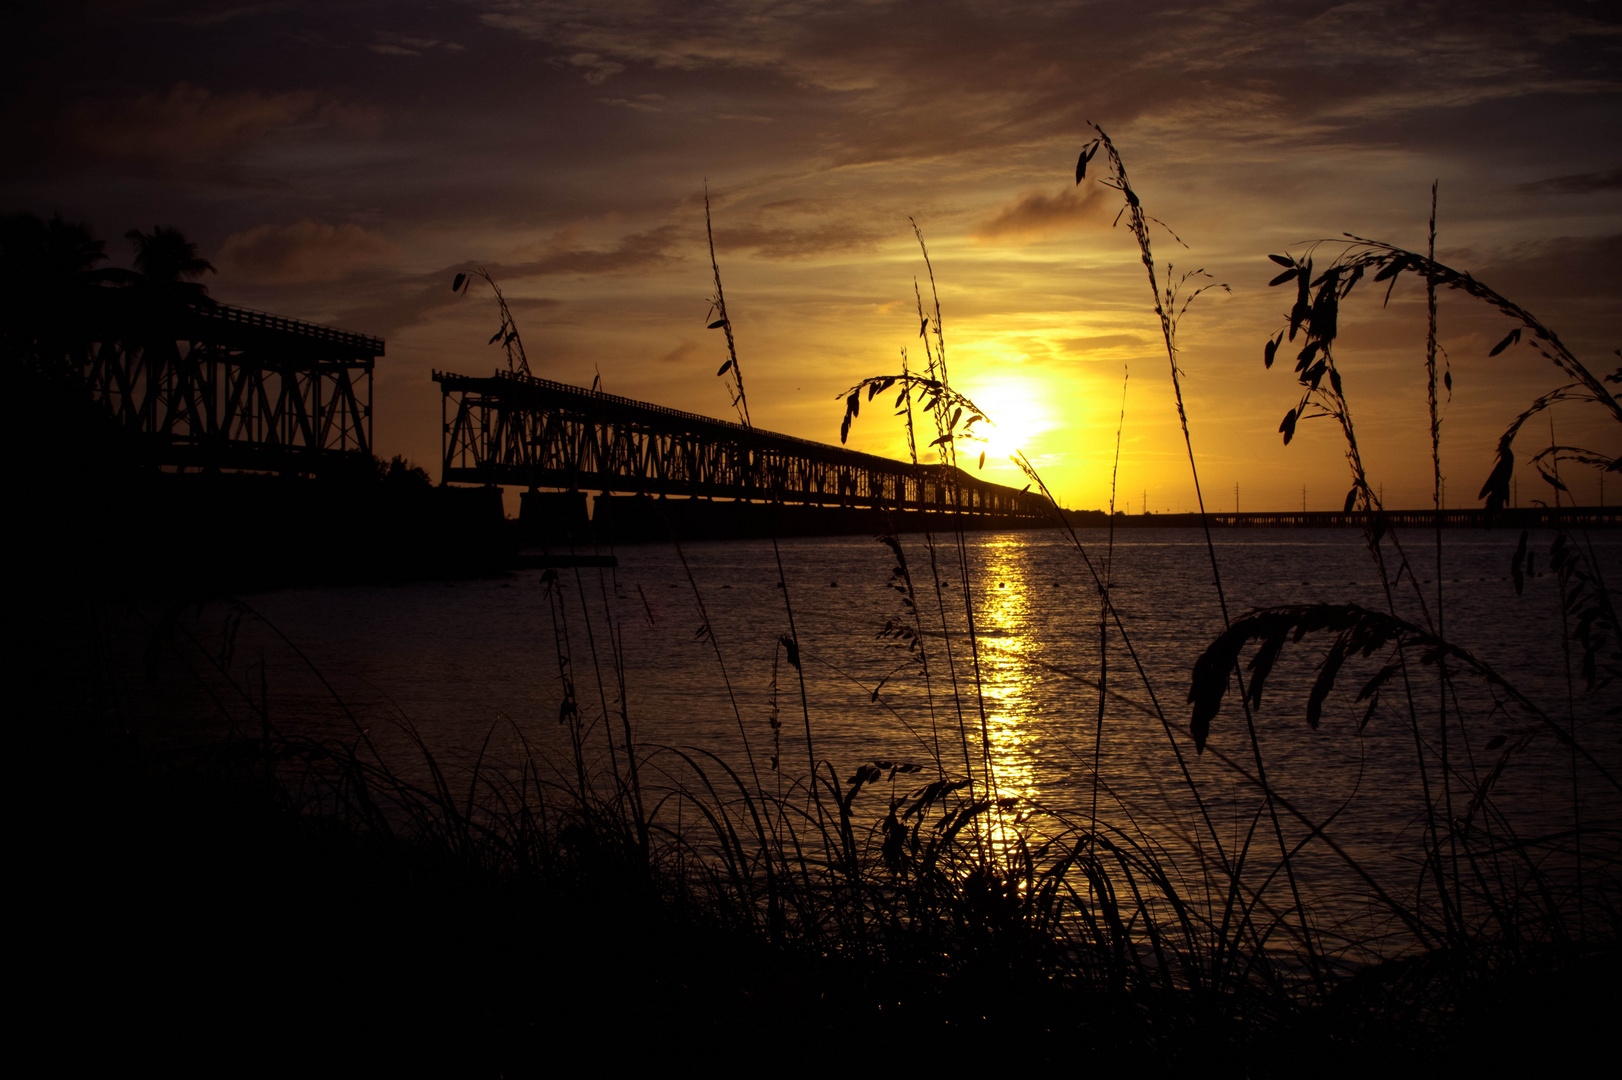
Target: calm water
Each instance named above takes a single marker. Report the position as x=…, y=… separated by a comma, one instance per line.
x=470, y=661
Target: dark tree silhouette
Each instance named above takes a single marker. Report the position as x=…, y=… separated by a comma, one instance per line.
x=169, y=261
x=45, y=261
x=47, y=272
x=46, y=252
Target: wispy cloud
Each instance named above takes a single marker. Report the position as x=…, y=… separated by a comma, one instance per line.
x=1037, y=214
x=1566, y=268
x=637, y=251
x=1576, y=184
x=829, y=238
x=187, y=124
x=683, y=353
x=305, y=251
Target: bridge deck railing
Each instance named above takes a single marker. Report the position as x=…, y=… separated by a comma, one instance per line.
x=265, y=320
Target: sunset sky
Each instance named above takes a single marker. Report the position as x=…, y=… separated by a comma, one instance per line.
x=339, y=162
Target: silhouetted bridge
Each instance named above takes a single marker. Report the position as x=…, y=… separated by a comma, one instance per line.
x=214, y=387
x=1530, y=517
x=218, y=387
x=516, y=429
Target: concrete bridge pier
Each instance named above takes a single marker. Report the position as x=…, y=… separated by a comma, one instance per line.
x=553, y=518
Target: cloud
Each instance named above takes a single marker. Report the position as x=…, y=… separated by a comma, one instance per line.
x=306, y=251
x=1579, y=184
x=685, y=352
x=799, y=243
x=1036, y=215
x=391, y=44
x=633, y=252
x=597, y=69
x=662, y=33
x=1102, y=342
x=533, y=305
x=403, y=41
x=1563, y=269
x=189, y=123
x=410, y=299
x=894, y=87
x=642, y=102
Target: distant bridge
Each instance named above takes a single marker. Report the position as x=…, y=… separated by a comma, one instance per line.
x=1531, y=517
x=516, y=429
x=217, y=387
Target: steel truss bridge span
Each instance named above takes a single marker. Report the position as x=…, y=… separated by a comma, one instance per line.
x=520, y=430
x=217, y=387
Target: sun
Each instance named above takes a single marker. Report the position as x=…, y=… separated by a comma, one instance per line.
x=1014, y=406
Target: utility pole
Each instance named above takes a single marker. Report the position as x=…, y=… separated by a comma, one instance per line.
x=1303, y=498
x=1236, y=496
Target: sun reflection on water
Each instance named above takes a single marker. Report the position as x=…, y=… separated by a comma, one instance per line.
x=1005, y=617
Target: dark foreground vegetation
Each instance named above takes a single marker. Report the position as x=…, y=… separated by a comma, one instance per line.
x=269, y=897
x=266, y=902
x=269, y=902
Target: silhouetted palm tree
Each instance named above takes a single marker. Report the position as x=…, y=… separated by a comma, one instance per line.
x=46, y=271
x=164, y=257
x=35, y=253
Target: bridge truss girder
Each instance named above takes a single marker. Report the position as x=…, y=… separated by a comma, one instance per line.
x=229, y=388
x=520, y=430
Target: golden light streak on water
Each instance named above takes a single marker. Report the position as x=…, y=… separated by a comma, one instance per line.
x=1004, y=614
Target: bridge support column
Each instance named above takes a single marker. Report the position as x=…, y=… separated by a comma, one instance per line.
x=553, y=518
